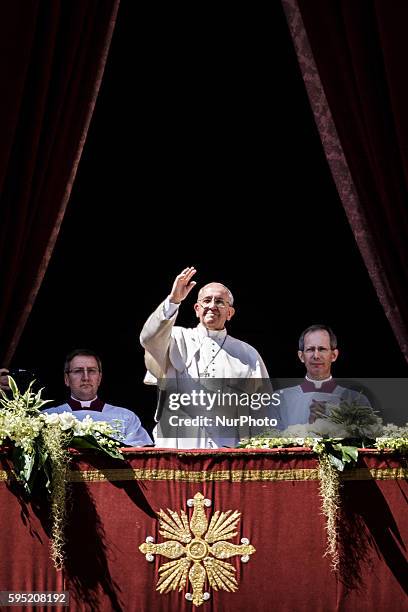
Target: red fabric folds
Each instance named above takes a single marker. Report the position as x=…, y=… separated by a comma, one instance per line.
x=51, y=67
x=114, y=506
x=351, y=58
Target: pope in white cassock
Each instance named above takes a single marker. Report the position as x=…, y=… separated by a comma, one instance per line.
x=180, y=356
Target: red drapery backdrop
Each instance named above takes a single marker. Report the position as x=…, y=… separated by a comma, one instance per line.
x=351, y=55
x=51, y=66
x=114, y=506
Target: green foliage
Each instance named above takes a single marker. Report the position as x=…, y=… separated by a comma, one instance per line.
x=92, y=443
x=39, y=450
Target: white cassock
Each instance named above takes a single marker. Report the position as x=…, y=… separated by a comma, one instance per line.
x=296, y=401
x=126, y=421
x=185, y=355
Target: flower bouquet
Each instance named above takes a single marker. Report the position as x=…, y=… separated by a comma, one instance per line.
x=39, y=446
x=339, y=432
x=335, y=437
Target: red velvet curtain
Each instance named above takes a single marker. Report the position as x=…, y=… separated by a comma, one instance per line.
x=51, y=64
x=352, y=57
x=114, y=505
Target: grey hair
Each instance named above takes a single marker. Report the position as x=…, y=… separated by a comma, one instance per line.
x=230, y=296
x=318, y=327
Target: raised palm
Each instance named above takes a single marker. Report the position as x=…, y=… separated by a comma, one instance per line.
x=182, y=285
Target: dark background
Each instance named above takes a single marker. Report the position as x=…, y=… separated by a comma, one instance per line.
x=203, y=151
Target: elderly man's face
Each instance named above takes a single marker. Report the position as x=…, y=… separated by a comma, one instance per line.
x=213, y=307
x=317, y=355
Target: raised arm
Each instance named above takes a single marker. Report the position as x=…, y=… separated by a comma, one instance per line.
x=156, y=333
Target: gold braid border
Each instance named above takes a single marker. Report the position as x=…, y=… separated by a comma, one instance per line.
x=231, y=475
x=114, y=475
x=193, y=476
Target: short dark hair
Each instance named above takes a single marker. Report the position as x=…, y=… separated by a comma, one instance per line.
x=85, y=353
x=318, y=327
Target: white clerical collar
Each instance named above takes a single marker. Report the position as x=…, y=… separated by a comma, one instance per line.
x=215, y=334
x=318, y=383
x=84, y=403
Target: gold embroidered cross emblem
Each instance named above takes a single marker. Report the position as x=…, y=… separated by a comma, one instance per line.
x=199, y=549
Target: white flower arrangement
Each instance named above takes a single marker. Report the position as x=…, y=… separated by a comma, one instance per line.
x=102, y=431
x=393, y=438
x=335, y=438
x=39, y=450
x=343, y=424
x=27, y=429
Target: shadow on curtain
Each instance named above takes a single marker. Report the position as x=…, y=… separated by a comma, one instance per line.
x=51, y=66
x=351, y=55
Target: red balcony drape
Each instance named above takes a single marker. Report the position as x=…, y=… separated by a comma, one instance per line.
x=114, y=508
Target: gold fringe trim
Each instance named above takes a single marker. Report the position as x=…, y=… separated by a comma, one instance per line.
x=375, y=474
x=230, y=475
x=185, y=476
x=115, y=475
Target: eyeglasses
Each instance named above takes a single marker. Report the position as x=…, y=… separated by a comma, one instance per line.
x=218, y=302
x=320, y=349
x=81, y=371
